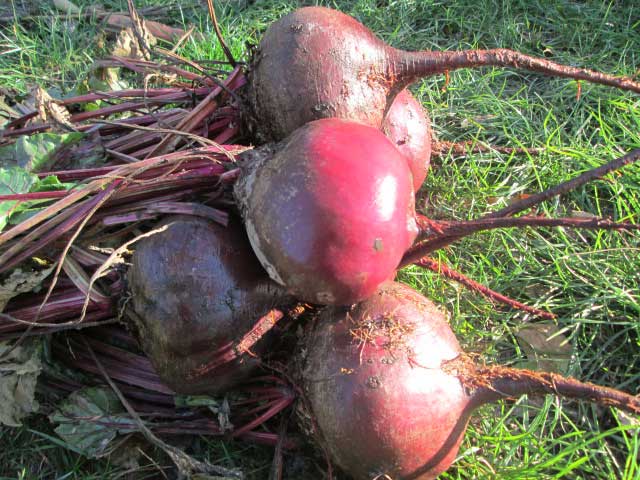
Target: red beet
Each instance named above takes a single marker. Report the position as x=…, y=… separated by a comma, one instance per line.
x=329, y=210
x=317, y=63
x=407, y=126
x=323, y=222
x=389, y=391
x=197, y=290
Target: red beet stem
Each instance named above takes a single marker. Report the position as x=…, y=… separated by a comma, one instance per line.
x=494, y=382
x=23, y=197
x=11, y=257
x=276, y=408
x=442, y=148
x=236, y=350
x=411, y=66
x=464, y=228
x=447, y=272
x=424, y=248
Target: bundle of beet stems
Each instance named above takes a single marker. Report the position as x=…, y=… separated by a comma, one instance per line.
x=177, y=150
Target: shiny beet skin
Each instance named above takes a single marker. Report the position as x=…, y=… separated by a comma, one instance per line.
x=331, y=213
x=373, y=381
x=407, y=126
x=196, y=287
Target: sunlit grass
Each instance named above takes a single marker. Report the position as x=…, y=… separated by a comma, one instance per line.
x=589, y=279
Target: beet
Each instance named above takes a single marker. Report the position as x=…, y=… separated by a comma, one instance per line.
x=407, y=126
x=196, y=290
x=389, y=391
x=317, y=62
x=329, y=210
x=323, y=222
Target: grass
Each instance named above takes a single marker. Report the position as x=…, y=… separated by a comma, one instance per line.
x=590, y=280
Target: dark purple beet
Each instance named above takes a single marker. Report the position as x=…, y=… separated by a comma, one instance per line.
x=197, y=288
x=327, y=225
x=407, y=126
x=390, y=392
x=317, y=62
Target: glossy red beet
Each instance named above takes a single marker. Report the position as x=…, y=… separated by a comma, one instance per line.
x=197, y=287
x=317, y=62
x=390, y=392
x=373, y=379
x=331, y=212
x=407, y=126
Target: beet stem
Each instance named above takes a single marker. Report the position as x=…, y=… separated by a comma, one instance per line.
x=216, y=28
x=469, y=227
x=34, y=196
x=18, y=253
x=410, y=66
x=447, y=272
x=495, y=382
x=568, y=186
x=276, y=408
x=195, y=117
x=428, y=246
x=236, y=350
x=181, y=459
x=441, y=148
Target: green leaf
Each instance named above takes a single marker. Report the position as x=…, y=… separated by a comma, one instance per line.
x=19, y=370
x=50, y=183
x=195, y=401
x=21, y=214
x=18, y=180
x=90, y=419
x=13, y=180
x=36, y=153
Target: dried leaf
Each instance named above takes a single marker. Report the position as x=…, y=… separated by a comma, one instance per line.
x=90, y=419
x=627, y=419
x=6, y=112
x=580, y=214
x=19, y=370
x=49, y=110
x=128, y=45
x=545, y=347
x=21, y=282
x=103, y=79
x=66, y=6
x=128, y=452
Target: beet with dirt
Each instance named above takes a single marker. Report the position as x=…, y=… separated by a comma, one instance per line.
x=388, y=390
x=407, y=125
x=196, y=290
x=317, y=62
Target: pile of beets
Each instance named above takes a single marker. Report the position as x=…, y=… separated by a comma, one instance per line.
x=323, y=216
x=327, y=214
